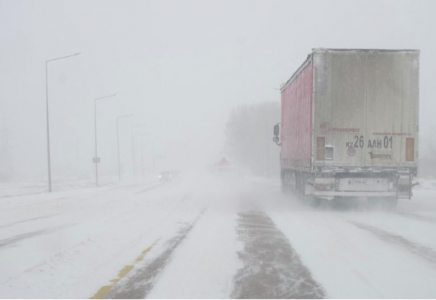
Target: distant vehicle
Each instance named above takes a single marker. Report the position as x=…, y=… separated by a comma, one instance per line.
x=169, y=175
x=349, y=125
x=221, y=167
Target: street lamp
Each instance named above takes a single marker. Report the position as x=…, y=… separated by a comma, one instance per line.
x=118, y=143
x=48, y=123
x=96, y=159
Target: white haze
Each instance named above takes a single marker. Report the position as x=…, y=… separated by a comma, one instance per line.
x=179, y=66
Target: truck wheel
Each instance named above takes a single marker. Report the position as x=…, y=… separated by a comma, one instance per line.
x=313, y=201
x=282, y=181
x=374, y=202
x=341, y=203
x=285, y=180
x=301, y=191
x=299, y=186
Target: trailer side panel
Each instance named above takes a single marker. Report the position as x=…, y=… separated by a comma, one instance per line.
x=296, y=133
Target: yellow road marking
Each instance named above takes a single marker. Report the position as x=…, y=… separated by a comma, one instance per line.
x=105, y=289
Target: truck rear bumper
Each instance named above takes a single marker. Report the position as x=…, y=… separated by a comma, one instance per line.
x=355, y=185
x=354, y=194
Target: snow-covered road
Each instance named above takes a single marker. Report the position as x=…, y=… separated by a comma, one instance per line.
x=213, y=236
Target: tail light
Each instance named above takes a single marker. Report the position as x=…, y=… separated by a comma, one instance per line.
x=320, y=148
x=410, y=149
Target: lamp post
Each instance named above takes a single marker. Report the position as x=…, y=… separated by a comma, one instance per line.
x=118, y=144
x=96, y=159
x=48, y=121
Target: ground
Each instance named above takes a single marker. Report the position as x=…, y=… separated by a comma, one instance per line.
x=211, y=235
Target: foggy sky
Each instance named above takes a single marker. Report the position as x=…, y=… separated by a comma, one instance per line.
x=179, y=66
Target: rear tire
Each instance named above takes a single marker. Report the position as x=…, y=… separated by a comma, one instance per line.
x=313, y=201
x=340, y=203
x=300, y=184
x=285, y=180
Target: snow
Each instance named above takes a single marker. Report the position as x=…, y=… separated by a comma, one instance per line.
x=353, y=263
x=83, y=237
x=350, y=263
x=206, y=272
x=74, y=242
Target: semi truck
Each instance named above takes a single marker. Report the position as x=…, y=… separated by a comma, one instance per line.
x=349, y=125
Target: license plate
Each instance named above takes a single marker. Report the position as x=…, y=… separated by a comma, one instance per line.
x=364, y=184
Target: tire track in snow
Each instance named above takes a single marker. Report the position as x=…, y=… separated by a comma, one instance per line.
x=416, y=217
x=422, y=251
x=12, y=240
x=31, y=219
x=142, y=282
x=272, y=268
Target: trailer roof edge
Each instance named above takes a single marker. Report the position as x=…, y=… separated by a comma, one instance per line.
x=317, y=50
x=296, y=73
